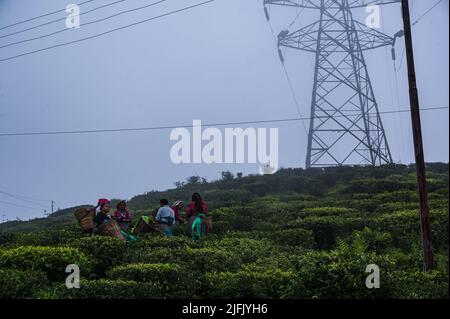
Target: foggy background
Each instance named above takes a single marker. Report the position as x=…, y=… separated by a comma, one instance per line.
x=217, y=63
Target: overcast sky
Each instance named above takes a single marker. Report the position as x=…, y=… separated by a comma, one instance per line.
x=217, y=63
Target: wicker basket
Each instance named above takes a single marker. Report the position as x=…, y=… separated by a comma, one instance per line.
x=208, y=220
x=110, y=228
x=142, y=227
x=161, y=228
x=85, y=217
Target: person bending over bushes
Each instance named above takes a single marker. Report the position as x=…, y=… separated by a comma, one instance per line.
x=165, y=217
x=176, y=207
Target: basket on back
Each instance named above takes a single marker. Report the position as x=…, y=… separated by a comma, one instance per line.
x=143, y=226
x=110, y=228
x=85, y=217
x=208, y=220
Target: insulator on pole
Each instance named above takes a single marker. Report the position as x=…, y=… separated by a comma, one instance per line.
x=266, y=12
x=393, y=53
x=399, y=34
x=281, y=56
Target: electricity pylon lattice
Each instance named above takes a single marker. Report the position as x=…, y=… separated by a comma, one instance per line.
x=345, y=125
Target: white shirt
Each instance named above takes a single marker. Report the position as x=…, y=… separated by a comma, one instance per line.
x=164, y=212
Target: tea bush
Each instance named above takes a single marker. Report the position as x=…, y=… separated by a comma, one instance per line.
x=293, y=234
x=243, y=284
x=50, y=260
x=167, y=280
x=105, y=251
x=15, y=284
x=108, y=289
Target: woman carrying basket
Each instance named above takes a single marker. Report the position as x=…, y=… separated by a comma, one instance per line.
x=102, y=213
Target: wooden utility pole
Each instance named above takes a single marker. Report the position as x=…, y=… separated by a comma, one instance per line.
x=418, y=144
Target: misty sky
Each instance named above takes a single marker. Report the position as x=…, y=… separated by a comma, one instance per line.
x=216, y=63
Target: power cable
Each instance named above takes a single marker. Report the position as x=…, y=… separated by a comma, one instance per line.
x=42, y=16
x=84, y=24
x=20, y=206
x=60, y=19
x=25, y=197
x=413, y=24
x=107, y=32
x=288, y=78
x=154, y=128
x=428, y=11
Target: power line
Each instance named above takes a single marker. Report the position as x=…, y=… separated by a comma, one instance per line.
x=428, y=11
x=20, y=206
x=288, y=78
x=42, y=16
x=154, y=128
x=84, y=24
x=402, y=57
x=25, y=197
x=30, y=202
x=297, y=104
x=296, y=18
x=109, y=31
x=60, y=19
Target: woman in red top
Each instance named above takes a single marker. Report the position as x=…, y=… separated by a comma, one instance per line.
x=196, y=212
x=196, y=206
x=122, y=215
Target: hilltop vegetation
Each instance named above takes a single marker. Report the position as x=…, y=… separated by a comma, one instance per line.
x=295, y=234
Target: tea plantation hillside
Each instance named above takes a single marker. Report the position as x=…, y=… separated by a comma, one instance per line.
x=295, y=234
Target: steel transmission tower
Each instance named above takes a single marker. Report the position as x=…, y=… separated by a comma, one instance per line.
x=345, y=125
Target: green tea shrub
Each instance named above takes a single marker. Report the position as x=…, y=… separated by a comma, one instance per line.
x=374, y=186
x=105, y=251
x=246, y=249
x=227, y=197
x=8, y=239
x=338, y=274
x=109, y=289
x=329, y=211
x=244, y=284
x=286, y=237
x=295, y=237
x=327, y=229
x=295, y=183
x=17, y=284
x=221, y=227
x=158, y=255
x=50, y=260
x=419, y=285
x=168, y=280
x=211, y=259
x=405, y=228
x=258, y=188
x=49, y=237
